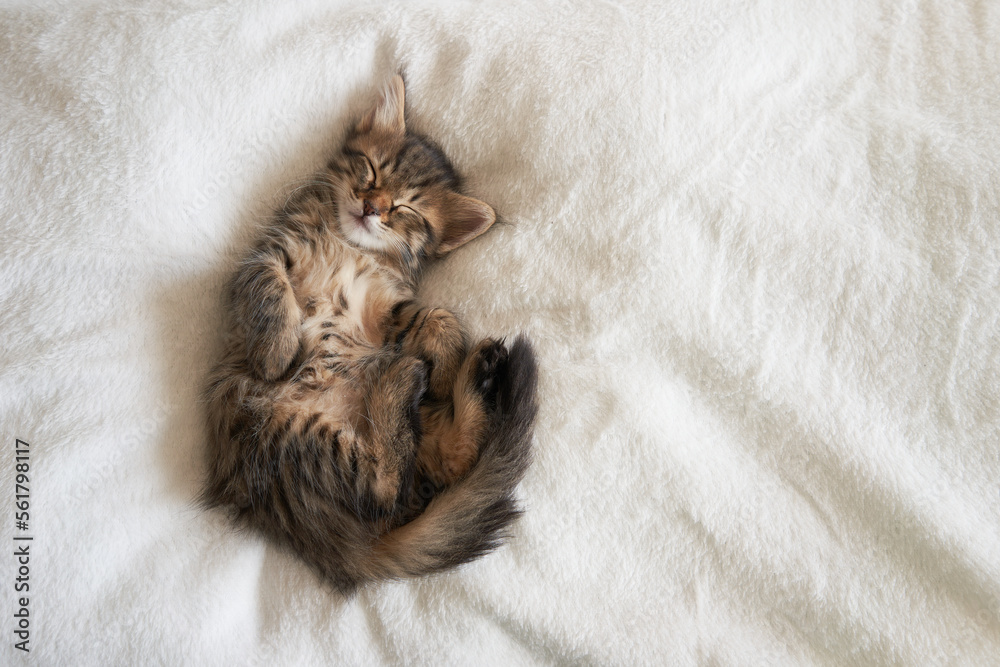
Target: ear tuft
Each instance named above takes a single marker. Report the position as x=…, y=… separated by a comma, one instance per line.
x=387, y=115
x=465, y=219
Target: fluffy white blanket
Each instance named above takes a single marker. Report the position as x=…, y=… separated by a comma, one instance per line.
x=755, y=244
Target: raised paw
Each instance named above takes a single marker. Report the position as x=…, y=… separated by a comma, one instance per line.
x=270, y=359
x=491, y=359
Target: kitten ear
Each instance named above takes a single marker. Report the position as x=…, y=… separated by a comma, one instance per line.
x=387, y=115
x=465, y=218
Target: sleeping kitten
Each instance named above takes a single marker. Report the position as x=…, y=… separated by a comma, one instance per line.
x=348, y=421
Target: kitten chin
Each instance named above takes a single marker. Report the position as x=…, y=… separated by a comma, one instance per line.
x=348, y=422
x=360, y=230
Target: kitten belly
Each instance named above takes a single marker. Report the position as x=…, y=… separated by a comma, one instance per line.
x=344, y=313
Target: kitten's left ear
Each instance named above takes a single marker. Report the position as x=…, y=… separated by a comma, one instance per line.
x=465, y=218
x=387, y=115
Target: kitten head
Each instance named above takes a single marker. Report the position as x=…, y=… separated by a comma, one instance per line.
x=397, y=193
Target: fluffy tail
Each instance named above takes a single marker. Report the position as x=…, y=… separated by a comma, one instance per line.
x=471, y=517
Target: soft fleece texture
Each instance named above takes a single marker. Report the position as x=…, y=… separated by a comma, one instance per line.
x=755, y=244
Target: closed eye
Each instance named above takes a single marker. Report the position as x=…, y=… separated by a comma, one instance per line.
x=370, y=177
x=371, y=172
x=419, y=216
x=407, y=209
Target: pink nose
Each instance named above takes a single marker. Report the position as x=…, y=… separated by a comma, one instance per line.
x=369, y=208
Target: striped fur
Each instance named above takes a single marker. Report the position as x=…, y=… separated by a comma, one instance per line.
x=348, y=421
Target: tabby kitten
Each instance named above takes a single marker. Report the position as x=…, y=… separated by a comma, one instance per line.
x=348, y=421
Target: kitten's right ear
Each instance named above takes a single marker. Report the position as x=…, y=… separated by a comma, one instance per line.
x=387, y=115
x=465, y=219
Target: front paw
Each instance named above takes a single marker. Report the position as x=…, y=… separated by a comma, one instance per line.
x=266, y=310
x=269, y=360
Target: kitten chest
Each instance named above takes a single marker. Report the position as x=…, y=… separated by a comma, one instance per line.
x=346, y=307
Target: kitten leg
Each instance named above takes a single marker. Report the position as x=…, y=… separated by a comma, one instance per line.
x=266, y=310
x=434, y=335
x=453, y=431
x=390, y=427
x=460, y=389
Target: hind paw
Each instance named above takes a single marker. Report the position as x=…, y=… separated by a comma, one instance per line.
x=458, y=460
x=491, y=358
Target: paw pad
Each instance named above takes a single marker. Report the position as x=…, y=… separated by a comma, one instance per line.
x=492, y=358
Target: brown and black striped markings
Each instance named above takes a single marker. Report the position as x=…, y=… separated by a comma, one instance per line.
x=453, y=413
x=339, y=398
x=267, y=313
x=317, y=465
x=349, y=304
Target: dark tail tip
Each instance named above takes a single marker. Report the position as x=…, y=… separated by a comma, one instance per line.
x=516, y=394
x=473, y=516
x=520, y=383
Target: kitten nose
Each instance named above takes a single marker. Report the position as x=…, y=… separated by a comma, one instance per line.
x=369, y=208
